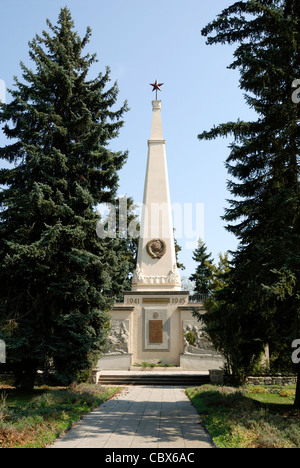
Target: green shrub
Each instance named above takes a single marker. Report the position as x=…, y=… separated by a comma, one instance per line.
x=292, y=432
x=287, y=392
x=257, y=389
x=190, y=337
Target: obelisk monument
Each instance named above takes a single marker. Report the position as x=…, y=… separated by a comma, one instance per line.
x=156, y=268
x=151, y=323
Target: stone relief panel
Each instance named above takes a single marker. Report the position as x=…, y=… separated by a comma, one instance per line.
x=195, y=341
x=119, y=337
x=172, y=278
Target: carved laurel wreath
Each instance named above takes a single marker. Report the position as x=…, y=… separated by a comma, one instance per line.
x=156, y=248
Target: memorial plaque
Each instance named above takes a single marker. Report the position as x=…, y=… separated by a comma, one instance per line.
x=156, y=331
x=156, y=328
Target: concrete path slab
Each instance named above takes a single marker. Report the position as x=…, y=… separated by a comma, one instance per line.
x=140, y=417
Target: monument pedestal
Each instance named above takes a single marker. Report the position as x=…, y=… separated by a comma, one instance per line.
x=153, y=327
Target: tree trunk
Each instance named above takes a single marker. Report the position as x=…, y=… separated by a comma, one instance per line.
x=25, y=377
x=297, y=398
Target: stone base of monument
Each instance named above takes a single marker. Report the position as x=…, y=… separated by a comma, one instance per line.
x=201, y=362
x=115, y=362
x=96, y=373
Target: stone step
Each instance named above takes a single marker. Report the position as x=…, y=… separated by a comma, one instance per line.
x=151, y=379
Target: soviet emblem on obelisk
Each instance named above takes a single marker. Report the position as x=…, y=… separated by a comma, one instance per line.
x=156, y=248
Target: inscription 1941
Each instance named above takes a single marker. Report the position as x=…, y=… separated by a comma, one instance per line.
x=156, y=331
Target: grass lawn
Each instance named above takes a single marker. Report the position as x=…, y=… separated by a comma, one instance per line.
x=36, y=419
x=249, y=417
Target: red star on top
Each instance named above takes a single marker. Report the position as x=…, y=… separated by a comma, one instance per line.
x=156, y=87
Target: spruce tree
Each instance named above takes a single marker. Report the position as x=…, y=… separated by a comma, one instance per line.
x=178, y=249
x=58, y=279
x=264, y=169
x=128, y=228
x=203, y=273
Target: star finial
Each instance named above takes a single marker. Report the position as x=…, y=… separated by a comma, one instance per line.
x=156, y=87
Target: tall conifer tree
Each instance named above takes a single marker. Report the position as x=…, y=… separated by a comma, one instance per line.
x=203, y=274
x=264, y=166
x=58, y=279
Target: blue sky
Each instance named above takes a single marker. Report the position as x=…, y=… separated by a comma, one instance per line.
x=142, y=41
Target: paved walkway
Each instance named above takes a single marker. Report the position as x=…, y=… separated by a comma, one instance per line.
x=140, y=417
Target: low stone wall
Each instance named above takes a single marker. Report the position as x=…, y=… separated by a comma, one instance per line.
x=115, y=362
x=201, y=362
x=275, y=380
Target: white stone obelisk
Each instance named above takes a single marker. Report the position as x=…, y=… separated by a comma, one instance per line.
x=156, y=268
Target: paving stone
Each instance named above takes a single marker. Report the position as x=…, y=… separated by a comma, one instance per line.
x=140, y=417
